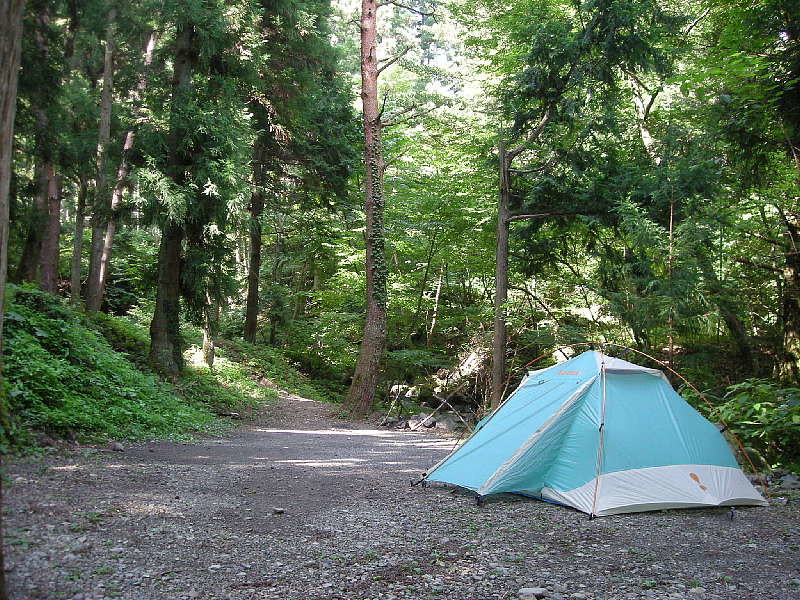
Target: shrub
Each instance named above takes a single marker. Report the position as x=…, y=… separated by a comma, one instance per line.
x=766, y=417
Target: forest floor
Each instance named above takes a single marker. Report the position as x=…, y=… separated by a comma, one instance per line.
x=298, y=503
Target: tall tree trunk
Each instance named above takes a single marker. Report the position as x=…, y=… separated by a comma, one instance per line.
x=166, y=346
x=729, y=313
x=48, y=264
x=94, y=297
x=28, y=269
x=10, y=45
x=121, y=181
x=254, y=264
x=789, y=363
x=501, y=282
x=77, y=243
x=166, y=349
x=361, y=395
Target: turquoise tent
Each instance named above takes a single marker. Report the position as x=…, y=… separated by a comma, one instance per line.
x=604, y=436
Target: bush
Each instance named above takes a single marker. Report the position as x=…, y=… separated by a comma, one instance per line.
x=764, y=416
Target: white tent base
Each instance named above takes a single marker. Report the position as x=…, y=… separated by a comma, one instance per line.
x=658, y=488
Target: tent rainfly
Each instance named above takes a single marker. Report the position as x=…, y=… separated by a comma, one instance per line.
x=604, y=436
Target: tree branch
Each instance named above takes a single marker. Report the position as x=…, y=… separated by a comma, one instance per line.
x=744, y=261
x=390, y=61
x=525, y=216
x=406, y=7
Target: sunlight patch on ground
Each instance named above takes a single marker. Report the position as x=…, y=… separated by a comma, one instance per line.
x=67, y=468
x=346, y=462
x=345, y=432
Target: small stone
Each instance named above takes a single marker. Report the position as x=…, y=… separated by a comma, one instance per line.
x=697, y=590
x=117, y=447
x=531, y=593
x=278, y=510
x=579, y=596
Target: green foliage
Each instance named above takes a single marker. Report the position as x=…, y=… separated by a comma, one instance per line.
x=66, y=380
x=270, y=363
x=764, y=416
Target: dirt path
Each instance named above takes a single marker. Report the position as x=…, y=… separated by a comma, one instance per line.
x=180, y=521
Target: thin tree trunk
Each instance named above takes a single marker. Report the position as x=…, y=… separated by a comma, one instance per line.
x=789, y=364
x=501, y=283
x=77, y=243
x=361, y=395
x=94, y=297
x=122, y=179
x=210, y=322
x=423, y=284
x=10, y=45
x=48, y=263
x=254, y=264
x=435, y=306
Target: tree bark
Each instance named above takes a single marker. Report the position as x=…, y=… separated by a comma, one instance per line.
x=501, y=281
x=789, y=364
x=254, y=264
x=10, y=47
x=361, y=395
x=28, y=268
x=48, y=263
x=121, y=181
x=77, y=243
x=94, y=297
x=730, y=314
x=166, y=346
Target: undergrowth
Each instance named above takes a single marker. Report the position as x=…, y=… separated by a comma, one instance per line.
x=64, y=379
x=86, y=377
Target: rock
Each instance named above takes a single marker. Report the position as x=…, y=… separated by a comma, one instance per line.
x=531, y=593
x=278, y=510
x=697, y=590
x=448, y=422
x=794, y=582
x=790, y=482
x=579, y=596
x=117, y=447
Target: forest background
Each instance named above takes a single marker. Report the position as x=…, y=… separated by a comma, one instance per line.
x=191, y=208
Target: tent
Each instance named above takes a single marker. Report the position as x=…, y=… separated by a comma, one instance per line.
x=604, y=436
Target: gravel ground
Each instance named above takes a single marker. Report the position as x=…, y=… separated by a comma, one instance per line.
x=299, y=504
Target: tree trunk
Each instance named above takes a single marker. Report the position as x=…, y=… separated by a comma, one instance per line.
x=94, y=297
x=501, y=283
x=166, y=349
x=254, y=264
x=121, y=181
x=789, y=365
x=166, y=346
x=435, y=306
x=730, y=314
x=210, y=321
x=28, y=269
x=48, y=263
x=77, y=244
x=10, y=45
x=361, y=395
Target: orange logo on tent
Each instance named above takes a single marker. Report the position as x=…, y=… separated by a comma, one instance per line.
x=696, y=478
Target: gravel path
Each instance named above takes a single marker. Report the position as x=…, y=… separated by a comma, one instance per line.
x=300, y=504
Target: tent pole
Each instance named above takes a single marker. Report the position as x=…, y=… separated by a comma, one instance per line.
x=602, y=434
